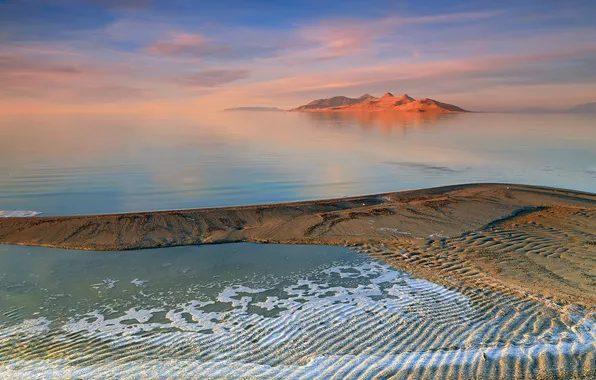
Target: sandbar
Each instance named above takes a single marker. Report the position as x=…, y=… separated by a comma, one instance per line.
x=533, y=240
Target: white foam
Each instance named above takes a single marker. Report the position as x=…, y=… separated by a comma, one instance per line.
x=95, y=322
x=108, y=283
x=138, y=282
x=29, y=327
x=363, y=309
x=275, y=302
x=18, y=214
x=233, y=291
x=438, y=235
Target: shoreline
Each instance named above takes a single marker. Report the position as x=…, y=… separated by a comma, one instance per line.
x=532, y=238
x=435, y=190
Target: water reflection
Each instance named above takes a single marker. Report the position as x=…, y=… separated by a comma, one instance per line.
x=386, y=121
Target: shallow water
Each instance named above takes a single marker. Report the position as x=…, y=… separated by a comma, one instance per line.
x=270, y=311
x=80, y=164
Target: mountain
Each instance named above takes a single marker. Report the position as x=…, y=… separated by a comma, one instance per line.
x=253, y=109
x=387, y=102
x=364, y=98
x=583, y=108
x=336, y=101
x=426, y=105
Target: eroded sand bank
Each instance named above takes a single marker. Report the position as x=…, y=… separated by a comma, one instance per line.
x=527, y=239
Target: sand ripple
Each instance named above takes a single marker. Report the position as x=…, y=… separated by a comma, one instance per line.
x=365, y=320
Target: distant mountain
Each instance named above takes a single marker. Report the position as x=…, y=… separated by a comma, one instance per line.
x=387, y=102
x=257, y=109
x=336, y=101
x=583, y=108
x=531, y=110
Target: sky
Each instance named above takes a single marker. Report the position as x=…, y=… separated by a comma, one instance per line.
x=117, y=55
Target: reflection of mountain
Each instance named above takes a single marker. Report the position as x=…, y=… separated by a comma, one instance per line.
x=386, y=120
x=387, y=102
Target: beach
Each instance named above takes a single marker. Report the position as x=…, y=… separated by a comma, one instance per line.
x=525, y=239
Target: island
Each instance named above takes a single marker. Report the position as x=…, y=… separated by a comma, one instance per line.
x=387, y=102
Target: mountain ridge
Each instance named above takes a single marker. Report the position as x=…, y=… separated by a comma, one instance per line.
x=369, y=103
x=583, y=108
x=335, y=101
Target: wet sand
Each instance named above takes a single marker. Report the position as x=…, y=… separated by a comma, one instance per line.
x=537, y=241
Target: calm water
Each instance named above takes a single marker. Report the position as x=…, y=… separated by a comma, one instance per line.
x=266, y=311
x=79, y=164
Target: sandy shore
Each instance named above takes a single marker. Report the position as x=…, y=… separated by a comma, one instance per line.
x=534, y=240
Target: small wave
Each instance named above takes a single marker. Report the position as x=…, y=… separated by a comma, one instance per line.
x=18, y=214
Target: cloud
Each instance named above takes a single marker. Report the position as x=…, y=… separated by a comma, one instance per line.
x=111, y=93
x=254, y=44
x=443, y=18
x=101, y=4
x=337, y=41
x=349, y=38
x=121, y=4
x=12, y=64
x=215, y=77
x=24, y=76
x=322, y=40
x=192, y=45
x=160, y=54
x=35, y=76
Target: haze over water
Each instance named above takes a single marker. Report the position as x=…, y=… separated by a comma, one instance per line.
x=81, y=164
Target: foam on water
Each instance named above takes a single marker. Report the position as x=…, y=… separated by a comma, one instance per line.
x=18, y=214
x=138, y=282
x=349, y=320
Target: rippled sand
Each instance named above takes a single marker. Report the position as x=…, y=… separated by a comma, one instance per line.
x=357, y=318
x=549, y=253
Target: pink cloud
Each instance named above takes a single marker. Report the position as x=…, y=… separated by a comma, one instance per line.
x=338, y=41
x=39, y=76
x=193, y=45
x=349, y=38
x=214, y=78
